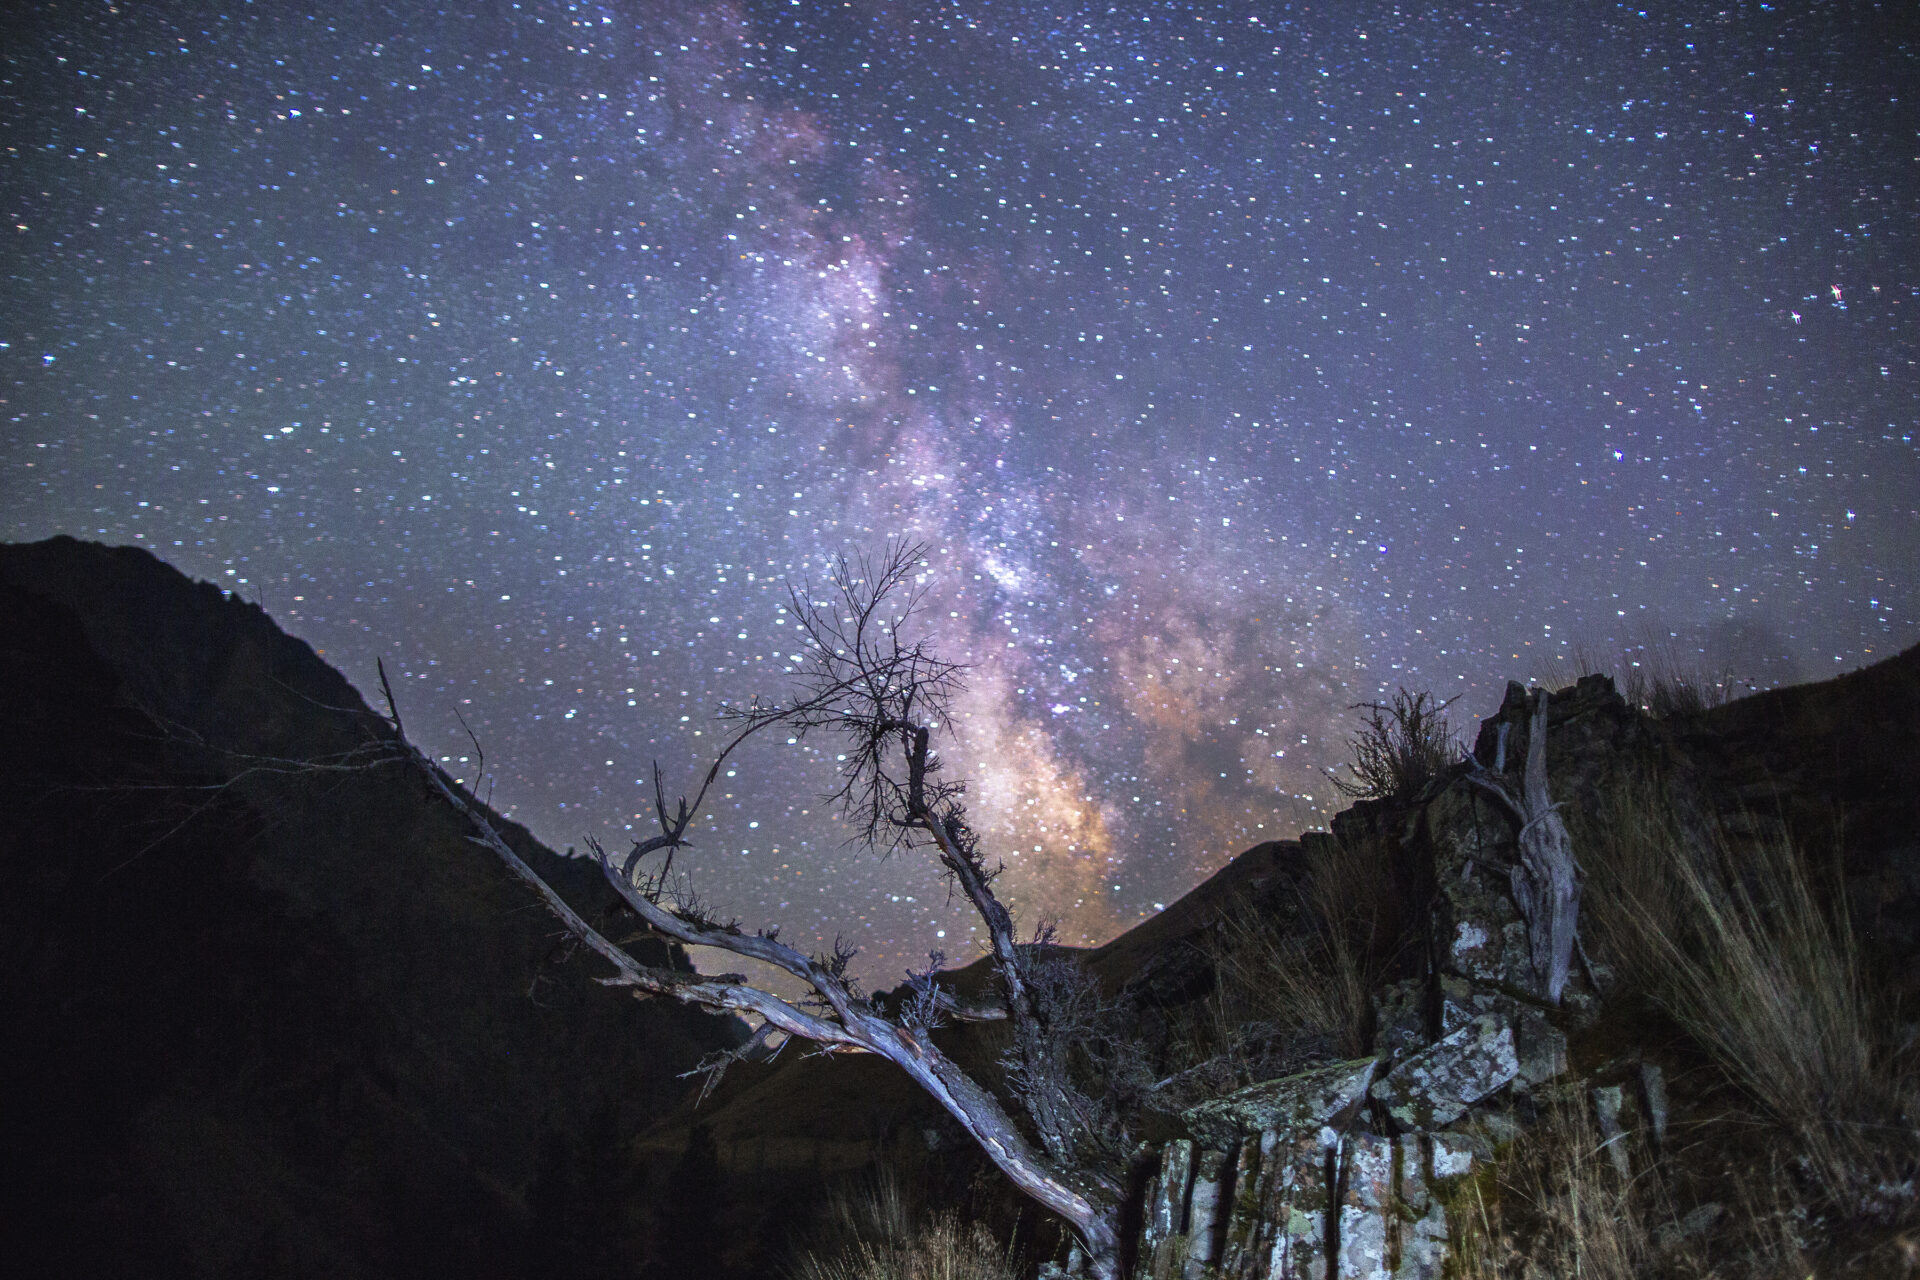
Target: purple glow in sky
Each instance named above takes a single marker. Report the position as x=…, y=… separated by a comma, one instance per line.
x=1239, y=362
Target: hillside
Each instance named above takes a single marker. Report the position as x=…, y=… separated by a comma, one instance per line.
x=1831, y=769
x=272, y=1018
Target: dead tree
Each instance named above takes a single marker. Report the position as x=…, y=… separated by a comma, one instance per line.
x=1546, y=880
x=885, y=696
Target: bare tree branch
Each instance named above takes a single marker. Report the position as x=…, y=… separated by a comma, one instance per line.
x=884, y=696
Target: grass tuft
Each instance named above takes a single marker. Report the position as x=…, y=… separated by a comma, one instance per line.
x=1307, y=978
x=872, y=1233
x=1554, y=1205
x=1735, y=941
x=1655, y=676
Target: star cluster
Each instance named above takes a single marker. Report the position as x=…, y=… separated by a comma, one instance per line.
x=1237, y=362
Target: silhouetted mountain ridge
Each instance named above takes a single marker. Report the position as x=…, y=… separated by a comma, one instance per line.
x=276, y=1020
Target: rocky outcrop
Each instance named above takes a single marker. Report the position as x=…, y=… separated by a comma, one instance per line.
x=278, y=1024
x=1466, y=1046
x=1344, y=1171
x=1335, y=1172
x=1339, y=1171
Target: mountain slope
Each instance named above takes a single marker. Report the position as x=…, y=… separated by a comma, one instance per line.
x=273, y=1019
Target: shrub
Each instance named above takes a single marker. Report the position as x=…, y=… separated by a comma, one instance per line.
x=1401, y=744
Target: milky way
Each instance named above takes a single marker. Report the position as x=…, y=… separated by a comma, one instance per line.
x=1237, y=363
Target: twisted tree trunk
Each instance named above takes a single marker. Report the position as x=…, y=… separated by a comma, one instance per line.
x=1546, y=884
x=883, y=695
x=1546, y=879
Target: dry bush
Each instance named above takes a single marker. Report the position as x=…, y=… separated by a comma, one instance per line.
x=872, y=1233
x=1734, y=941
x=1401, y=744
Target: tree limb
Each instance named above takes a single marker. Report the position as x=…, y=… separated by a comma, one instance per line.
x=885, y=695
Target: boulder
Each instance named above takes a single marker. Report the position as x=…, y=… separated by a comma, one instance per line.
x=1539, y=1045
x=1324, y=1096
x=1434, y=1087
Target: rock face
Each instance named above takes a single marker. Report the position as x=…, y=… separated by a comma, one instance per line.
x=1283, y=1176
x=1302, y=1205
x=1433, y=1087
x=1324, y=1096
x=1336, y=1173
x=279, y=1023
x=1300, y=1179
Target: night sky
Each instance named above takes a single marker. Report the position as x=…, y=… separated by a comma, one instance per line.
x=1238, y=363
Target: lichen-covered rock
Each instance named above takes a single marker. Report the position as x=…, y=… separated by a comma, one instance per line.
x=1165, y=1208
x=1252, y=1162
x=1540, y=1047
x=1278, y=1215
x=1419, y=1224
x=1400, y=1017
x=1451, y=1155
x=1323, y=1096
x=1391, y=1225
x=1423, y=1246
x=1460, y=1002
x=1608, y=1100
x=1478, y=930
x=1653, y=1092
x=1593, y=741
x=1204, y=1204
x=1434, y=1087
x=1367, y=1209
x=1164, y=1245
x=1297, y=1205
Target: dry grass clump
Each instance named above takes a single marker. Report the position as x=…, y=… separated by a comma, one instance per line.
x=1307, y=978
x=1734, y=940
x=872, y=1233
x=1555, y=1205
x=1312, y=986
x=943, y=1249
x=1660, y=679
x=1401, y=744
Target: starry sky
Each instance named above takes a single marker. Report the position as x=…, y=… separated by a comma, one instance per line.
x=1237, y=362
